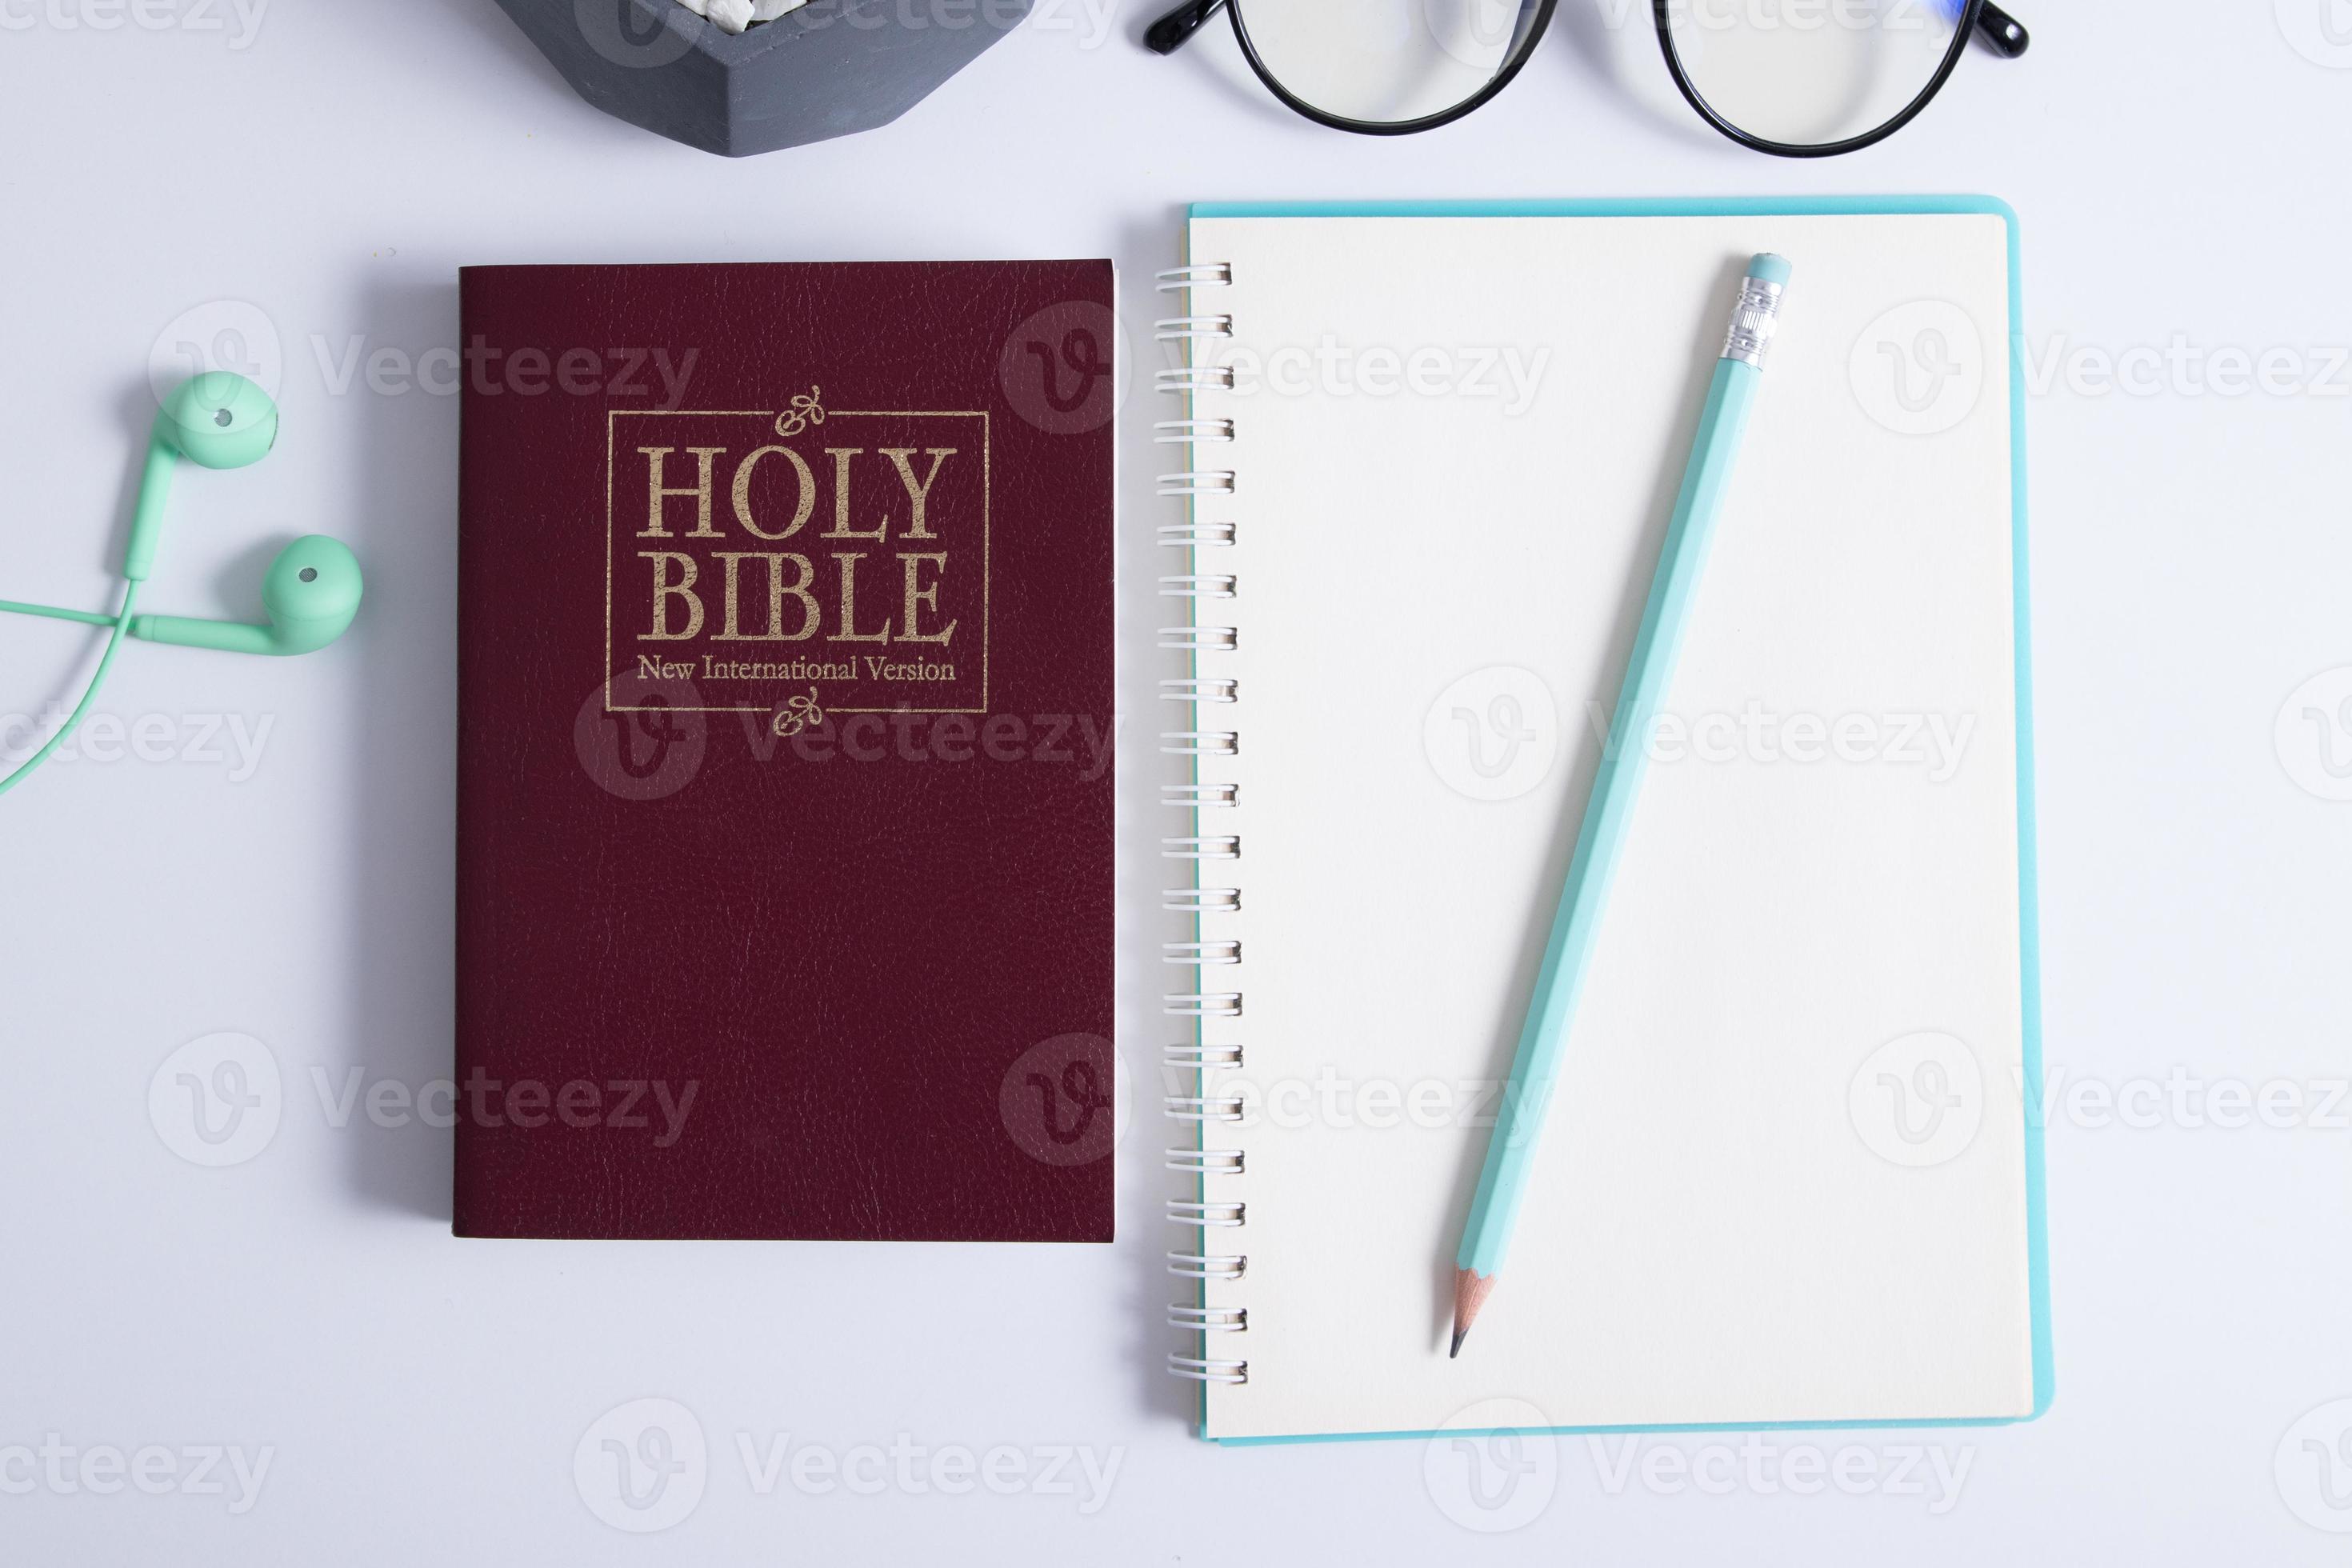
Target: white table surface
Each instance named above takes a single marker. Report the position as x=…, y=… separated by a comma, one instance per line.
x=313, y=178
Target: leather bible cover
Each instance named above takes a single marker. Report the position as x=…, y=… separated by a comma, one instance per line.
x=785, y=788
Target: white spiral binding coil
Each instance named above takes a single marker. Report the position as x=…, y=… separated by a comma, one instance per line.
x=1208, y=1162
x=1198, y=585
x=1209, y=1371
x=1177, y=279
x=1197, y=482
x=1169, y=431
x=1210, y=1108
x=1178, y=535
x=1196, y=581
x=1220, y=847
x=1185, y=328
x=1199, y=742
x=1196, y=797
x=1196, y=954
x=1193, y=690
x=1196, y=640
x=1203, y=1005
x=1188, y=1058
x=1209, y=1319
x=1201, y=900
x=1195, y=378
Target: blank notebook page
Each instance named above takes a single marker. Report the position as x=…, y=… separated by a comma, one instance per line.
x=1456, y=442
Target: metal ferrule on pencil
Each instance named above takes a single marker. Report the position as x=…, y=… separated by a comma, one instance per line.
x=1752, y=321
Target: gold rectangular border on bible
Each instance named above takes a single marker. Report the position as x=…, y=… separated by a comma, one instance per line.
x=786, y=553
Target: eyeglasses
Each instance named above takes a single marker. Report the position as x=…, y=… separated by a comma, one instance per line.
x=1799, y=78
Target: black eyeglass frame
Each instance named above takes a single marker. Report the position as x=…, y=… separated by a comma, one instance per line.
x=2001, y=31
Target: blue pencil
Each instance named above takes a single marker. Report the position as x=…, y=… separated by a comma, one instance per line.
x=1600, y=842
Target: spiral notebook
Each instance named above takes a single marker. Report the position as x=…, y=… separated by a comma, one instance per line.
x=1787, y=1177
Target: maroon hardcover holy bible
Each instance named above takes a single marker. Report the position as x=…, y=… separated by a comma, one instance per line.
x=784, y=781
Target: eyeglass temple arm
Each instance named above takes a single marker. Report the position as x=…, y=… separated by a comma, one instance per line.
x=1170, y=34
x=2001, y=30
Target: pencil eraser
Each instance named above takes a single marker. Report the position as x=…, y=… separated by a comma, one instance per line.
x=1767, y=268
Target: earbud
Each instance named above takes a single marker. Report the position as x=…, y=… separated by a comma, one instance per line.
x=216, y=420
x=310, y=593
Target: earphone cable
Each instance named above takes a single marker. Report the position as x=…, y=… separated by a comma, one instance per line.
x=86, y=617
x=88, y=693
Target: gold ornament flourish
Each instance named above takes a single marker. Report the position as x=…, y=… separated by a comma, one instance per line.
x=798, y=713
x=805, y=411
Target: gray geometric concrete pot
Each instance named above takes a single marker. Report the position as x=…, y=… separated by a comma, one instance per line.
x=829, y=69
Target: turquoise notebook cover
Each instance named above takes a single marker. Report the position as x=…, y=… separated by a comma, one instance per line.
x=2029, y=926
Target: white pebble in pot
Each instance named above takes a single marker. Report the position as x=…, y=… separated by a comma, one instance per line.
x=734, y=15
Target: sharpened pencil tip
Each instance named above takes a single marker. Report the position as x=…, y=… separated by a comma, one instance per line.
x=1470, y=1292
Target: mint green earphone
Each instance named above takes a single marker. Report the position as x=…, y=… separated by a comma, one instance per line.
x=312, y=591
